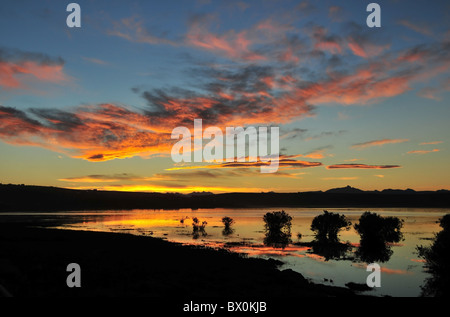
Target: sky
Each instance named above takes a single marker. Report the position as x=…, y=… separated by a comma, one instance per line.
x=94, y=107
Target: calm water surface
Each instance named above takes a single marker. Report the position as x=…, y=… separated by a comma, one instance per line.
x=402, y=273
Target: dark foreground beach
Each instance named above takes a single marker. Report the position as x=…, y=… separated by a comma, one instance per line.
x=33, y=263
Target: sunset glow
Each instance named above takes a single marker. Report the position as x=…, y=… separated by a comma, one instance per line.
x=94, y=107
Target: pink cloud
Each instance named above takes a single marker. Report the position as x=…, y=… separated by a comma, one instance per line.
x=366, y=50
x=417, y=27
x=133, y=30
x=15, y=75
x=232, y=44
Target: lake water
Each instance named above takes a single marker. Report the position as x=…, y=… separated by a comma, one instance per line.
x=402, y=272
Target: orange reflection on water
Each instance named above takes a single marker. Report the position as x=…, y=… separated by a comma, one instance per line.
x=384, y=269
x=155, y=219
x=266, y=250
x=142, y=223
x=393, y=271
x=315, y=256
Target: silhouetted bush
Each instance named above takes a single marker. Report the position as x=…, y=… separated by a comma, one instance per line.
x=227, y=221
x=277, y=225
x=444, y=222
x=375, y=232
x=328, y=225
x=437, y=257
x=277, y=221
x=198, y=228
x=372, y=227
x=371, y=251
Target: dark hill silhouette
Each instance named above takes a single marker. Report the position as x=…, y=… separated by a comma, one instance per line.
x=345, y=190
x=41, y=198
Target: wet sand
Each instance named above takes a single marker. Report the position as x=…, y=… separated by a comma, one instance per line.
x=33, y=263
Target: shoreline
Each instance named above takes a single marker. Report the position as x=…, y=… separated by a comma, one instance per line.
x=27, y=198
x=33, y=263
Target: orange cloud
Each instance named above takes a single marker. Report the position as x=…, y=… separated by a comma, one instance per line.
x=363, y=166
x=245, y=93
x=318, y=153
x=330, y=46
x=284, y=161
x=394, y=271
x=19, y=68
x=15, y=75
x=361, y=87
x=377, y=143
x=431, y=143
x=366, y=50
x=235, y=45
x=95, y=135
x=325, y=42
x=423, y=151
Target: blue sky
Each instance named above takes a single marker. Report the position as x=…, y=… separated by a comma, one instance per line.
x=313, y=68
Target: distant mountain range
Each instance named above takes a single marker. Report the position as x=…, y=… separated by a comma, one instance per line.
x=352, y=190
x=42, y=198
x=345, y=190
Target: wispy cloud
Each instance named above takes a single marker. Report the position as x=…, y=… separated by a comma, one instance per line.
x=95, y=133
x=421, y=28
x=99, y=178
x=323, y=41
x=435, y=92
x=423, y=151
x=377, y=143
x=95, y=61
x=366, y=50
x=362, y=166
x=335, y=13
x=318, y=153
x=134, y=30
x=18, y=69
x=236, y=45
x=260, y=85
x=325, y=134
x=293, y=133
x=242, y=45
x=285, y=162
x=431, y=143
x=353, y=160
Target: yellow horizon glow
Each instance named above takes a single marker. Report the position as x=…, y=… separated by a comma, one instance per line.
x=165, y=189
